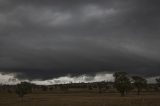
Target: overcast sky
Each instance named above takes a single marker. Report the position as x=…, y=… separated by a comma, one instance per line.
x=44, y=39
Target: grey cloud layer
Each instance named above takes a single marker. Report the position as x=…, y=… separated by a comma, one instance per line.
x=44, y=39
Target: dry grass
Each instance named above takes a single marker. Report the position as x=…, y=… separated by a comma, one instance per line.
x=80, y=99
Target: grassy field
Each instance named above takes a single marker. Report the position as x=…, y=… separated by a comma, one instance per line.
x=80, y=99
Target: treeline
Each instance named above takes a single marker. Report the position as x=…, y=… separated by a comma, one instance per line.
x=123, y=83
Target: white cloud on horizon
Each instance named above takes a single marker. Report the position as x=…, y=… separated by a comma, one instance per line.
x=78, y=79
x=8, y=79
x=12, y=80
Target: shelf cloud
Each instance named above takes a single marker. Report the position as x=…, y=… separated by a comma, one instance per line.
x=45, y=39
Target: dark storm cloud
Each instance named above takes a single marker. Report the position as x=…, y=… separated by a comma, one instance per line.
x=42, y=39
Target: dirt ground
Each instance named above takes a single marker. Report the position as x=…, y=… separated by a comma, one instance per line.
x=80, y=99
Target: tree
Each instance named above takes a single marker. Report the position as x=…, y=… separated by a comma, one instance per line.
x=51, y=88
x=139, y=83
x=122, y=83
x=90, y=87
x=99, y=86
x=44, y=88
x=22, y=89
